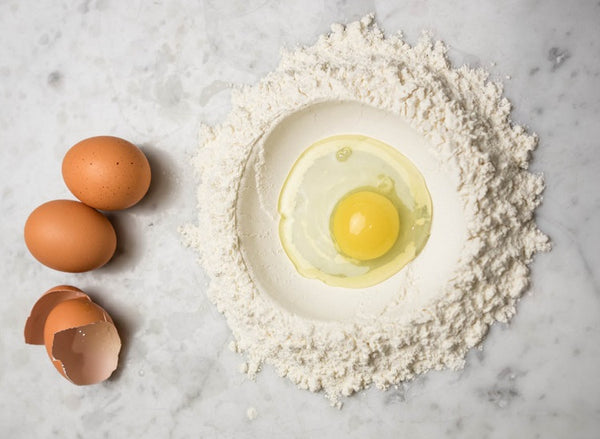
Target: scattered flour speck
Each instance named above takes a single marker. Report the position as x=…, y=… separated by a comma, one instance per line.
x=251, y=413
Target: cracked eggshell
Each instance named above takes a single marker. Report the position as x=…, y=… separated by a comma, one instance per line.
x=34, y=327
x=82, y=341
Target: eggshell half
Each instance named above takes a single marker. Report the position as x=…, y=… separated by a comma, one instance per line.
x=34, y=327
x=82, y=341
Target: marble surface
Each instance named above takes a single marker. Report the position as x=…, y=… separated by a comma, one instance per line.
x=151, y=72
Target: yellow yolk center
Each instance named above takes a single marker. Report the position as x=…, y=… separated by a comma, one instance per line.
x=365, y=225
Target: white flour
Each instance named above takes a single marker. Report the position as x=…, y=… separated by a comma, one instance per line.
x=466, y=123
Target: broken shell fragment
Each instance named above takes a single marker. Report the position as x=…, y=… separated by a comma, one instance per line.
x=80, y=337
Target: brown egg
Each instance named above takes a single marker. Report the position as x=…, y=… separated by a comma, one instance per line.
x=70, y=236
x=106, y=172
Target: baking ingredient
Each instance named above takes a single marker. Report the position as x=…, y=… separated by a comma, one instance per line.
x=469, y=144
x=80, y=337
x=251, y=413
x=354, y=211
x=365, y=225
x=106, y=172
x=69, y=236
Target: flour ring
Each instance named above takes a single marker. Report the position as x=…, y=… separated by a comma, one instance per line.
x=466, y=123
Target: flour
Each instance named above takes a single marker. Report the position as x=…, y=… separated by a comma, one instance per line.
x=251, y=413
x=466, y=123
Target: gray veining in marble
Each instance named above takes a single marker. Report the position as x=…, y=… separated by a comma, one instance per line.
x=151, y=72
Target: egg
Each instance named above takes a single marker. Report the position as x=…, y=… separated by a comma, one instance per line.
x=70, y=236
x=353, y=211
x=106, y=172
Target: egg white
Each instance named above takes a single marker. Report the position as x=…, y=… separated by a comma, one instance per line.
x=319, y=180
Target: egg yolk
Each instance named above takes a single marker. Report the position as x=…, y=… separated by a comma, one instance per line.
x=365, y=225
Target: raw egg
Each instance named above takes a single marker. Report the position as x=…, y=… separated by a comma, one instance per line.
x=107, y=173
x=80, y=337
x=69, y=236
x=353, y=211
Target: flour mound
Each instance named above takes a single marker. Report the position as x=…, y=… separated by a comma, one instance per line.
x=466, y=122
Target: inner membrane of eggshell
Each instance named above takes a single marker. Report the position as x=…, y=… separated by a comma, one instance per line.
x=87, y=354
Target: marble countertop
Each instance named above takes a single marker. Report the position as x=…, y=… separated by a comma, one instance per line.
x=150, y=72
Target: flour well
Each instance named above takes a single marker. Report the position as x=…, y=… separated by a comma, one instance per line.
x=465, y=123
